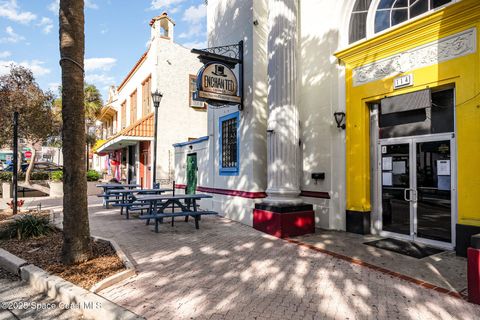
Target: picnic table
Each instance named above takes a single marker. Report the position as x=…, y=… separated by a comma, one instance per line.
x=129, y=201
x=108, y=187
x=158, y=204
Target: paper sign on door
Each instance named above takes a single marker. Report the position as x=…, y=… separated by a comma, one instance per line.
x=387, y=178
x=387, y=163
x=399, y=167
x=443, y=167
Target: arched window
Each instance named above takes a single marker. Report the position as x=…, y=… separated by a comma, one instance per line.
x=387, y=14
x=393, y=12
x=358, y=21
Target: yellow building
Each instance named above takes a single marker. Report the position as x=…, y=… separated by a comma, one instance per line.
x=413, y=128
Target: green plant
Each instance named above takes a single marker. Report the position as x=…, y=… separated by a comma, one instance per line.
x=5, y=176
x=39, y=176
x=93, y=175
x=56, y=176
x=30, y=226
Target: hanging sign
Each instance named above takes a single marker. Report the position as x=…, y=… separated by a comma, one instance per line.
x=217, y=82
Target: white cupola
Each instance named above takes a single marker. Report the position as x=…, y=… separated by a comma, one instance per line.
x=162, y=27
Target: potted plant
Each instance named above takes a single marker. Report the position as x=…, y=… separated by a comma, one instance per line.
x=56, y=184
x=6, y=180
x=92, y=180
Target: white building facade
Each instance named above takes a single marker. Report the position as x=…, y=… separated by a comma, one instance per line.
x=365, y=109
x=125, y=151
x=319, y=143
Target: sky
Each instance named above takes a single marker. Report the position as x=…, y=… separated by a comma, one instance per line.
x=116, y=35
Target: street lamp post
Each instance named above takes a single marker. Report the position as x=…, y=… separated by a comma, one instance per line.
x=15, y=162
x=156, y=97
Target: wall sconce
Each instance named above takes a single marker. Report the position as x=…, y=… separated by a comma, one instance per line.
x=340, y=119
x=318, y=176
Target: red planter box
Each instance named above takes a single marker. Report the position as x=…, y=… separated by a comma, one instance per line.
x=473, y=275
x=285, y=224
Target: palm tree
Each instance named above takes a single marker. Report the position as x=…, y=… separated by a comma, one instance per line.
x=93, y=106
x=76, y=231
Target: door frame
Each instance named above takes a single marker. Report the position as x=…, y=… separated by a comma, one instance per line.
x=412, y=142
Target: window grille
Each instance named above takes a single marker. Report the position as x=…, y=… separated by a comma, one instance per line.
x=229, y=143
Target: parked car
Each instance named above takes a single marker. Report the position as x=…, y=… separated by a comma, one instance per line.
x=9, y=167
x=46, y=166
x=39, y=167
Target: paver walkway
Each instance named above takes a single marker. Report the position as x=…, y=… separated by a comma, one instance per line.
x=445, y=270
x=227, y=270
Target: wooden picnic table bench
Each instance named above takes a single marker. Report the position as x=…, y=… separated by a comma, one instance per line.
x=158, y=204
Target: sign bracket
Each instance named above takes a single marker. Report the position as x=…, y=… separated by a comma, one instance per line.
x=231, y=55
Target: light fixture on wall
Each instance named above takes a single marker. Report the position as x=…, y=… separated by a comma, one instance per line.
x=340, y=119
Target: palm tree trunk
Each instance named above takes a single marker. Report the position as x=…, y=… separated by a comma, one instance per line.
x=76, y=231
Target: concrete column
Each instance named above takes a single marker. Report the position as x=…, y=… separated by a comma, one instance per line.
x=283, y=121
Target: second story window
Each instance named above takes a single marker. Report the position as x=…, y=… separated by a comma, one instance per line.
x=369, y=17
x=146, y=96
x=133, y=107
x=392, y=12
x=124, y=114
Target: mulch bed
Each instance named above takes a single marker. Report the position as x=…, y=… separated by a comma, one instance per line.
x=45, y=252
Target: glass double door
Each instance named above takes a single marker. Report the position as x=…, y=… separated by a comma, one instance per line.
x=416, y=188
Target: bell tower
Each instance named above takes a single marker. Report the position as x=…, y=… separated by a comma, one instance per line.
x=162, y=27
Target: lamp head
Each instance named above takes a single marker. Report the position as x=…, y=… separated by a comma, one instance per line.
x=157, y=97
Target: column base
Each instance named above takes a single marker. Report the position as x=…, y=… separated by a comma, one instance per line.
x=358, y=222
x=284, y=220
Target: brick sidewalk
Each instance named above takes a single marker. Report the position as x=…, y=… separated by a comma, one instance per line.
x=227, y=270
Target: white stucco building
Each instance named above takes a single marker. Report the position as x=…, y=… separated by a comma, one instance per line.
x=320, y=143
x=401, y=77
x=125, y=151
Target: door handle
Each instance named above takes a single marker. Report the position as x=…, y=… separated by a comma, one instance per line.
x=413, y=191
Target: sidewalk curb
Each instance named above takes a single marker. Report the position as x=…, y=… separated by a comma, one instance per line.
x=11, y=262
x=116, y=278
x=91, y=305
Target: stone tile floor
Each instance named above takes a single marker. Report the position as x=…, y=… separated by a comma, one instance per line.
x=227, y=270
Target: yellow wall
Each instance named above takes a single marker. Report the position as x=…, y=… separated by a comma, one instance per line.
x=463, y=72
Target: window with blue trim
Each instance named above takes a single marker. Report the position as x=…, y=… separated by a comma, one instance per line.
x=229, y=144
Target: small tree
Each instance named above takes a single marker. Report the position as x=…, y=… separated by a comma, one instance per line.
x=37, y=123
x=93, y=105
